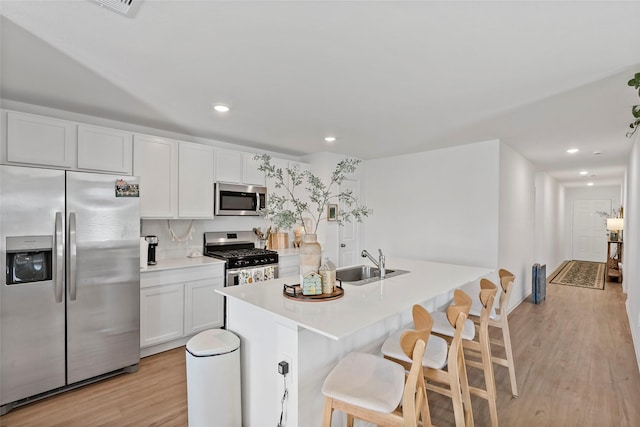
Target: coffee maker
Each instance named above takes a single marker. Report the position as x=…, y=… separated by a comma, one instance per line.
x=151, y=255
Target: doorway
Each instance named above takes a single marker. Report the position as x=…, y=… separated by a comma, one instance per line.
x=589, y=241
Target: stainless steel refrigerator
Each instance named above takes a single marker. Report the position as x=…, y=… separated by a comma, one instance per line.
x=70, y=283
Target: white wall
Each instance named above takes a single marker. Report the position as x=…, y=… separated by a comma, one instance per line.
x=322, y=165
x=549, y=222
x=625, y=192
x=170, y=249
x=611, y=192
x=440, y=205
x=631, y=253
x=516, y=220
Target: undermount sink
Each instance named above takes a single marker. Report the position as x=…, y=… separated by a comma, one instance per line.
x=363, y=274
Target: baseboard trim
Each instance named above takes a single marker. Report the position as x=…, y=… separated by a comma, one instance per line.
x=634, y=337
x=159, y=348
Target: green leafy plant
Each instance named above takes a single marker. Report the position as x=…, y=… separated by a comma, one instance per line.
x=635, y=110
x=288, y=209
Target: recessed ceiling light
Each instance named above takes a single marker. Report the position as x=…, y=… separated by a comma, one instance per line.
x=221, y=108
x=330, y=139
x=572, y=150
x=584, y=173
x=589, y=184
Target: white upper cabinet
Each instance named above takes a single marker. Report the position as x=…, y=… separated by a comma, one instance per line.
x=176, y=178
x=228, y=166
x=237, y=167
x=250, y=172
x=45, y=141
x=195, y=181
x=104, y=149
x=155, y=161
x=40, y=140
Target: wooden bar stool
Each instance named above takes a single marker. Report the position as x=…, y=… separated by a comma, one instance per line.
x=477, y=348
x=371, y=388
x=499, y=319
x=438, y=356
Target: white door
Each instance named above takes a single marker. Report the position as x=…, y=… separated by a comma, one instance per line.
x=348, y=233
x=589, y=230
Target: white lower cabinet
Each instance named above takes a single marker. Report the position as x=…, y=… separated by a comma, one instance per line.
x=206, y=306
x=175, y=304
x=161, y=314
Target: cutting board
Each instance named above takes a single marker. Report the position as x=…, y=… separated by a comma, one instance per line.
x=279, y=241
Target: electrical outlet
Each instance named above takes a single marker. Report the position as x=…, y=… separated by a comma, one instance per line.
x=284, y=383
x=283, y=367
x=284, y=359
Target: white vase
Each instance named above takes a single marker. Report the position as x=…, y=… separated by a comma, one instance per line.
x=310, y=255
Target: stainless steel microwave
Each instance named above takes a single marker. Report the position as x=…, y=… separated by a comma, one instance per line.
x=239, y=200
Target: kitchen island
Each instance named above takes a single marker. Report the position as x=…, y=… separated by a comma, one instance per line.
x=312, y=336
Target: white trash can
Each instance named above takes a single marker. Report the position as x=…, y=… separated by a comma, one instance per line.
x=213, y=379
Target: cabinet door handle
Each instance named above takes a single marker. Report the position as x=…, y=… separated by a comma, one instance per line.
x=342, y=245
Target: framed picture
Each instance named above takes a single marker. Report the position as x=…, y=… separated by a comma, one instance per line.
x=332, y=212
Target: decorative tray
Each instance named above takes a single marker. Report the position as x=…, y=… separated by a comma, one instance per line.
x=294, y=292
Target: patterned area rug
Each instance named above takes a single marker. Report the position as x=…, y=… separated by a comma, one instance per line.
x=581, y=273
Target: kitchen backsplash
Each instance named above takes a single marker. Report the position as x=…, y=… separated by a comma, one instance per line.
x=167, y=248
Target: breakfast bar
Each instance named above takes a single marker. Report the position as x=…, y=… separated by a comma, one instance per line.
x=312, y=336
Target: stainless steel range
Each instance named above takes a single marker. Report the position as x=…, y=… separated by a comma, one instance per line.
x=244, y=262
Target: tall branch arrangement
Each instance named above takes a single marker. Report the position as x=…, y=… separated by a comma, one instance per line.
x=285, y=210
x=635, y=110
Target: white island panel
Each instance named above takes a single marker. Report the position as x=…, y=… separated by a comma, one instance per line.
x=313, y=336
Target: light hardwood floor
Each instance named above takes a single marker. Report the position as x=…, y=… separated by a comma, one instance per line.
x=574, y=361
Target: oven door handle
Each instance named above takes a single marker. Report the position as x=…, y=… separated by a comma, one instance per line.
x=234, y=274
x=258, y=201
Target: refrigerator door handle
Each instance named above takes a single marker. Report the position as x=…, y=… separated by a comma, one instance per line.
x=58, y=258
x=71, y=259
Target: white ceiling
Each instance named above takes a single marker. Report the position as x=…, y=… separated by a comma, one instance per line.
x=384, y=77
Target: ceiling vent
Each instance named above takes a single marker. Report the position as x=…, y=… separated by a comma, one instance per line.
x=125, y=7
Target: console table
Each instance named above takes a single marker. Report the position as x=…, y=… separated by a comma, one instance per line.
x=614, y=257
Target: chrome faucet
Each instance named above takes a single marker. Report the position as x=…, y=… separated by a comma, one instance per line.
x=380, y=263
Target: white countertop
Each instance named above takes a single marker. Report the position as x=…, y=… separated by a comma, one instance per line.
x=185, y=262
x=360, y=306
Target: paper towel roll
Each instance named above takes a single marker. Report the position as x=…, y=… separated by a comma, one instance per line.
x=144, y=252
